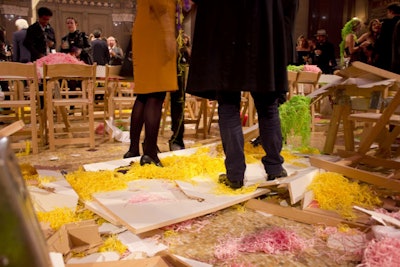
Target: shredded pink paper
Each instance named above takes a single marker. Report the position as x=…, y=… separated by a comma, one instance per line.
x=271, y=241
x=56, y=58
x=311, y=68
x=383, y=253
x=395, y=215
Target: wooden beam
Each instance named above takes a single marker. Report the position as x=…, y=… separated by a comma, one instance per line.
x=355, y=158
x=363, y=67
x=353, y=173
x=299, y=215
x=12, y=128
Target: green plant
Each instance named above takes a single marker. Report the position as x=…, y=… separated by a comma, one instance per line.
x=295, y=118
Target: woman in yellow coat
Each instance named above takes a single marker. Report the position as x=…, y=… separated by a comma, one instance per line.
x=154, y=51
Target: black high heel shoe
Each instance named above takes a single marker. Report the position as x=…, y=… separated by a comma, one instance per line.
x=145, y=159
x=130, y=155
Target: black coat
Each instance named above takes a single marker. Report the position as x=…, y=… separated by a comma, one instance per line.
x=241, y=45
x=36, y=38
x=20, y=52
x=78, y=40
x=100, y=53
x=384, y=44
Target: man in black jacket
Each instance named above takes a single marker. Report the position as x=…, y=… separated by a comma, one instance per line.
x=40, y=38
x=385, y=45
x=243, y=46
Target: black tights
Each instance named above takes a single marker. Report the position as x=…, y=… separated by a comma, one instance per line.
x=146, y=111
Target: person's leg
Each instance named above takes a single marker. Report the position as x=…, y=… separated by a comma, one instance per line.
x=270, y=133
x=152, y=118
x=136, y=125
x=232, y=136
x=177, y=117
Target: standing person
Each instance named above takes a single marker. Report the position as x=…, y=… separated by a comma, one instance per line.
x=350, y=50
x=384, y=45
x=5, y=47
x=178, y=97
x=76, y=42
x=116, y=53
x=100, y=53
x=251, y=54
x=40, y=38
x=367, y=41
x=154, y=58
x=20, y=52
x=324, y=53
x=302, y=50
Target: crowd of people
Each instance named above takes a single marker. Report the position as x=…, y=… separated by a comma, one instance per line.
x=376, y=44
x=31, y=42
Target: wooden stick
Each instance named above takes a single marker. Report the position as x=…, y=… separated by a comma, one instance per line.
x=12, y=128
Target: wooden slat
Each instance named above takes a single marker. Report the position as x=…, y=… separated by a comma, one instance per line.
x=353, y=173
x=299, y=215
x=12, y=128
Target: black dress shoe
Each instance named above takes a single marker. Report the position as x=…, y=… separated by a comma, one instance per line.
x=130, y=155
x=272, y=177
x=149, y=160
x=223, y=179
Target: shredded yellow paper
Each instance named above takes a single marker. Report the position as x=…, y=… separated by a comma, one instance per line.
x=334, y=192
x=57, y=217
x=112, y=243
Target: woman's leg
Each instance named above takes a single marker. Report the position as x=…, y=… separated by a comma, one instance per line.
x=152, y=118
x=137, y=121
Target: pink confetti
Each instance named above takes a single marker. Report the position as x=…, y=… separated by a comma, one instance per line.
x=383, y=253
x=311, y=68
x=272, y=241
x=56, y=58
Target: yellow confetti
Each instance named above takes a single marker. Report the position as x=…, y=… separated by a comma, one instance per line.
x=334, y=192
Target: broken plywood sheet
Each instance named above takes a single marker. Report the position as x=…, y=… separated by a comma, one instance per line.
x=298, y=184
x=60, y=194
x=95, y=207
x=152, y=204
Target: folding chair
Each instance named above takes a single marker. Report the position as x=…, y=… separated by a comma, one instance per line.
x=74, y=129
x=21, y=98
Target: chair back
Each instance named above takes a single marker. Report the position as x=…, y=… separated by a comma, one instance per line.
x=21, y=95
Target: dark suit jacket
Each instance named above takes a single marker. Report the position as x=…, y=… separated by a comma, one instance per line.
x=36, y=40
x=100, y=52
x=20, y=52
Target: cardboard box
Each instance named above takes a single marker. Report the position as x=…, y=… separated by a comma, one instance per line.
x=75, y=237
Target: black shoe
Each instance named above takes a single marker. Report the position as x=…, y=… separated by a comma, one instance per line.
x=272, y=177
x=223, y=179
x=175, y=146
x=148, y=160
x=130, y=155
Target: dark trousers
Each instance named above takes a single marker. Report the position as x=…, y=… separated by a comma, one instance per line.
x=232, y=134
x=177, y=112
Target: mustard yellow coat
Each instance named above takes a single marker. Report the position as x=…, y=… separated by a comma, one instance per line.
x=154, y=47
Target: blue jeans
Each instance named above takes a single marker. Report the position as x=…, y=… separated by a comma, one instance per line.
x=232, y=134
